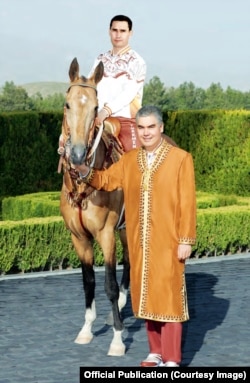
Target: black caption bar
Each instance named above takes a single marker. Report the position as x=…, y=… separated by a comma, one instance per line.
x=209, y=374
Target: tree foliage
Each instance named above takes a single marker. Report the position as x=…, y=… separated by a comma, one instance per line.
x=50, y=103
x=184, y=97
x=189, y=97
x=14, y=98
x=155, y=93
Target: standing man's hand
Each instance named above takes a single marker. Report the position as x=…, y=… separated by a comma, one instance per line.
x=184, y=252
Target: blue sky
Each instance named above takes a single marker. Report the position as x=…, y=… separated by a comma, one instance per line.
x=199, y=41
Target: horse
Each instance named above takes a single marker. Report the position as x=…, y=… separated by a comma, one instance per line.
x=92, y=215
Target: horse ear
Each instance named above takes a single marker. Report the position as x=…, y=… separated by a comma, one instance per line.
x=74, y=70
x=98, y=73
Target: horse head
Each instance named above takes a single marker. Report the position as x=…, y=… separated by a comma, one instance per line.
x=80, y=111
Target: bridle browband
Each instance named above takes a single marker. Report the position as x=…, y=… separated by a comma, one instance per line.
x=83, y=85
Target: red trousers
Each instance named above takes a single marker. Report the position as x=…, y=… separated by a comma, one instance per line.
x=164, y=338
x=128, y=133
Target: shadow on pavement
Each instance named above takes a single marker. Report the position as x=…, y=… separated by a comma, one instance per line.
x=206, y=312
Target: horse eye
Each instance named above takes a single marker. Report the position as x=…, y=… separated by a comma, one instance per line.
x=67, y=105
x=96, y=110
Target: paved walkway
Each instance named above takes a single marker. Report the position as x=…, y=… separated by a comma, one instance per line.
x=41, y=314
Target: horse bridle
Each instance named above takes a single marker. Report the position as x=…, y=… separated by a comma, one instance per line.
x=91, y=147
x=83, y=85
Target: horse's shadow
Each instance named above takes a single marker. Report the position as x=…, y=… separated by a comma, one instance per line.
x=132, y=324
x=206, y=312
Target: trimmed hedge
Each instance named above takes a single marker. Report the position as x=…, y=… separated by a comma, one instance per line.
x=36, y=244
x=39, y=244
x=28, y=152
x=218, y=140
x=220, y=145
x=222, y=231
x=31, y=205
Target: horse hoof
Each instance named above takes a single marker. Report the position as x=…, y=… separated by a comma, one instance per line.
x=83, y=339
x=116, y=350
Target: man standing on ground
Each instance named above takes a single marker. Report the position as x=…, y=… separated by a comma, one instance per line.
x=160, y=211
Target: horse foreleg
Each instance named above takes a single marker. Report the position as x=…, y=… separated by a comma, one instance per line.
x=117, y=347
x=85, y=335
x=126, y=271
x=124, y=285
x=123, y=294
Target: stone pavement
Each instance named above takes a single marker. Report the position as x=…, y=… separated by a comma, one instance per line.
x=41, y=314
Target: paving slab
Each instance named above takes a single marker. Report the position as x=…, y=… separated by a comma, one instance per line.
x=42, y=313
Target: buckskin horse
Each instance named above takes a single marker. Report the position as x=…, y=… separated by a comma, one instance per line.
x=92, y=215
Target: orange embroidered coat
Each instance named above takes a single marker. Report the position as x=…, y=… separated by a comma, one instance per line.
x=160, y=208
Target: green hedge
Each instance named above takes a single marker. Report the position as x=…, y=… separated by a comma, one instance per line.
x=218, y=140
x=220, y=144
x=31, y=205
x=47, y=204
x=222, y=231
x=28, y=152
x=36, y=244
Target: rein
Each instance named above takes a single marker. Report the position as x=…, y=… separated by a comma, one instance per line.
x=96, y=142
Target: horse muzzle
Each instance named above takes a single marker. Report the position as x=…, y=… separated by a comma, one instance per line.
x=78, y=154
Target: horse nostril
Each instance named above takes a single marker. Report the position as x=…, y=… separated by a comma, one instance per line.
x=78, y=154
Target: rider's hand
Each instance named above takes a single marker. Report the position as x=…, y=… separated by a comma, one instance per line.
x=102, y=115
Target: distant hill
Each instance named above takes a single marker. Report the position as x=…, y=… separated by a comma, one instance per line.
x=45, y=88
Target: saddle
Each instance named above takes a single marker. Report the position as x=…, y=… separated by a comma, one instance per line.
x=110, y=136
x=124, y=131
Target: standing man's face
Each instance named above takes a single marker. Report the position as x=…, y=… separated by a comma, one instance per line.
x=149, y=132
x=119, y=35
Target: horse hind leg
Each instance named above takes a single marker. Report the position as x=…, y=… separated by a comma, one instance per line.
x=85, y=335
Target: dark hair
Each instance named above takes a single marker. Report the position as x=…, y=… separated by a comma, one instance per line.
x=121, y=18
x=148, y=110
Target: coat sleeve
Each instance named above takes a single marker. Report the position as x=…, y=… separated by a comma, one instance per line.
x=187, y=200
x=109, y=179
